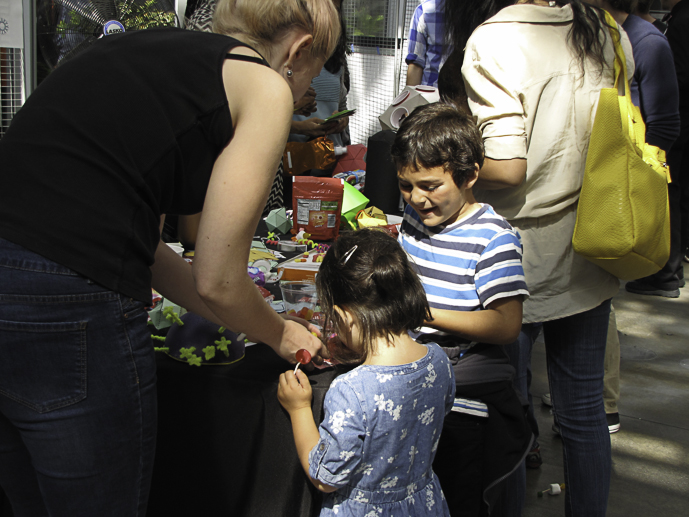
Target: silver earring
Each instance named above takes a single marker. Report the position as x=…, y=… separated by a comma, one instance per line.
x=289, y=72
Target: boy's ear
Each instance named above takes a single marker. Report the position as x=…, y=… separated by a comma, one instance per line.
x=471, y=180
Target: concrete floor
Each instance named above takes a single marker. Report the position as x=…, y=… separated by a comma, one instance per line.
x=650, y=453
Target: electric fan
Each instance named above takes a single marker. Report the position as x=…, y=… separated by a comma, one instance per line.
x=67, y=27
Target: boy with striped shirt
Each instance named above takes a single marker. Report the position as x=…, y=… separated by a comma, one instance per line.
x=469, y=261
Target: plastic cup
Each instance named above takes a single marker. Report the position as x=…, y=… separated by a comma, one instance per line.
x=300, y=299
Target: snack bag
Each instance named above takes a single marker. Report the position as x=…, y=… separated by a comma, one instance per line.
x=300, y=157
x=317, y=206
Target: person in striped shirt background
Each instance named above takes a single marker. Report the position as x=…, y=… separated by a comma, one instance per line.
x=468, y=259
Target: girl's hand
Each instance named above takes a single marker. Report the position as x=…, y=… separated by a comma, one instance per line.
x=336, y=126
x=310, y=127
x=294, y=391
x=307, y=104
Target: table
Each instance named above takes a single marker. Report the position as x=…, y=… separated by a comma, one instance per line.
x=225, y=445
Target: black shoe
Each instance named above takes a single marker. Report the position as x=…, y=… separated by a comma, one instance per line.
x=533, y=458
x=613, y=422
x=638, y=287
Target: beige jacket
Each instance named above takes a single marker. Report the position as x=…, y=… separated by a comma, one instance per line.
x=531, y=100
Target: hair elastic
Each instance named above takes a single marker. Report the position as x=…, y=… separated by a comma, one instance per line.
x=349, y=254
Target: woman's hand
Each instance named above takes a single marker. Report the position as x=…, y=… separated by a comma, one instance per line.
x=309, y=326
x=297, y=334
x=294, y=391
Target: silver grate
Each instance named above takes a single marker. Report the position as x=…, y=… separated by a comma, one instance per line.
x=12, y=90
x=378, y=32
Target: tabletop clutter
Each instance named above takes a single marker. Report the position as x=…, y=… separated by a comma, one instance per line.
x=283, y=262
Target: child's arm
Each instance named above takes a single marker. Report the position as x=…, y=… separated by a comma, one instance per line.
x=295, y=397
x=498, y=324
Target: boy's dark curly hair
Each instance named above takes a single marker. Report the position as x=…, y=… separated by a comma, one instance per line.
x=439, y=135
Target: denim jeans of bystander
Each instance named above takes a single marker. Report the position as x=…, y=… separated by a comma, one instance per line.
x=575, y=352
x=77, y=392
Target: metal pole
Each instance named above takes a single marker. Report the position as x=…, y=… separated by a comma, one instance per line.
x=401, y=13
x=30, y=50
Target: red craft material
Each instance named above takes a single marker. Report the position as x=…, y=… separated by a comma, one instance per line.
x=353, y=160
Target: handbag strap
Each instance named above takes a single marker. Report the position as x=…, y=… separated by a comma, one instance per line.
x=636, y=129
x=620, y=61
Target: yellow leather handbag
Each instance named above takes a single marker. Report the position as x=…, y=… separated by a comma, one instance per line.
x=623, y=217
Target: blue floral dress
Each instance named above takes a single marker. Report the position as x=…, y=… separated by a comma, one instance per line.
x=379, y=436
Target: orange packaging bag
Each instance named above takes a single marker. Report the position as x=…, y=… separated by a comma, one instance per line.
x=317, y=206
x=300, y=157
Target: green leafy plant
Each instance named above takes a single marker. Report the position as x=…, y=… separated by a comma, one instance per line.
x=369, y=19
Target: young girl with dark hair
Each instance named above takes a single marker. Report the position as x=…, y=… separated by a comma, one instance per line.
x=373, y=452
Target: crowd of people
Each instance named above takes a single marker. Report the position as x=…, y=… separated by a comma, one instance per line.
x=434, y=416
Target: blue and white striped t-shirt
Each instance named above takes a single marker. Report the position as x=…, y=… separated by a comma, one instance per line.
x=467, y=265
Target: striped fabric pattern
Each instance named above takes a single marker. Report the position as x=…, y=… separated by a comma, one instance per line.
x=472, y=407
x=468, y=265
x=465, y=267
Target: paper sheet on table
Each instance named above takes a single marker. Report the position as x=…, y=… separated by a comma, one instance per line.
x=255, y=254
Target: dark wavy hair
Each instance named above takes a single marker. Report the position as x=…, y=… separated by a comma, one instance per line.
x=376, y=284
x=463, y=17
x=626, y=6
x=644, y=6
x=339, y=57
x=588, y=24
x=439, y=135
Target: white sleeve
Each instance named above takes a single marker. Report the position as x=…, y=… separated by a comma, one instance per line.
x=494, y=101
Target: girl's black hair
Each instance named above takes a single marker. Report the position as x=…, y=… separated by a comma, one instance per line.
x=626, y=6
x=589, y=32
x=376, y=284
x=644, y=6
x=461, y=19
x=342, y=50
x=439, y=135
x=587, y=37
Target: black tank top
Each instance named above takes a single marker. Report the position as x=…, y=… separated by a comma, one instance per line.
x=124, y=132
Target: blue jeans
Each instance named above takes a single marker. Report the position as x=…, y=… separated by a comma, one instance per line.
x=575, y=354
x=519, y=353
x=77, y=392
